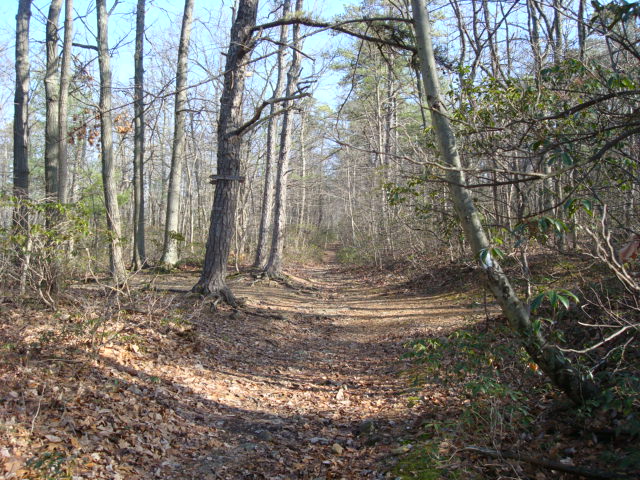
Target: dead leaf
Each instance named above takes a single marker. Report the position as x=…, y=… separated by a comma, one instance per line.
x=13, y=464
x=400, y=450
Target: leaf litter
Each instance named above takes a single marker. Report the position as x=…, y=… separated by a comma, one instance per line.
x=306, y=382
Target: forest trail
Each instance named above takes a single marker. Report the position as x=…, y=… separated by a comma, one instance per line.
x=308, y=380
x=305, y=381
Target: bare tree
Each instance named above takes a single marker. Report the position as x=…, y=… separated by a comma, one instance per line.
x=274, y=265
x=21, y=105
x=65, y=80
x=106, y=137
x=170, y=250
x=139, y=255
x=52, y=94
x=268, y=192
x=213, y=278
x=582, y=29
x=303, y=175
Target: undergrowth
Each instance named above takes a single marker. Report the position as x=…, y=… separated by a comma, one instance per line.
x=480, y=376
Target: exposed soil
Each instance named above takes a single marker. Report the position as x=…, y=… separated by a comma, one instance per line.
x=307, y=380
x=304, y=381
x=311, y=383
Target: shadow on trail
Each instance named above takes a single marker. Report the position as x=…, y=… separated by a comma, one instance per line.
x=245, y=439
x=280, y=389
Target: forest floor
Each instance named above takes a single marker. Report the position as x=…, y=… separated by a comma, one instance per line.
x=308, y=379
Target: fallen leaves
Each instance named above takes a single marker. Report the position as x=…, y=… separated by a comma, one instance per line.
x=145, y=402
x=312, y=391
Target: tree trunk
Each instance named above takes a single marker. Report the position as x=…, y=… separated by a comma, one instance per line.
x=547, y=356
x=108, y=167
x=534, y=39
x=20, y=220
x=52, y=95
x=170, y=250
x=21, y=108
x=558, y=41
x=212, y=281
x=350, y=195
x=274, y=265
x=267, y=194
x=582, y=30
x=65, y=79
x=303, y=180
x=496, y=71
x=139, y=255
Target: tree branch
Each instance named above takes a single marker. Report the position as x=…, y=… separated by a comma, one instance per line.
x=113, y=7
x=602, y=342
x=588, y=103
x=256, y=116
x=339, y=27
x=280, y=44
x=550, y=464
x=83, y=45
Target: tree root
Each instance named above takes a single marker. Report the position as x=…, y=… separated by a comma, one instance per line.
x=221, y=294
x=286, y=282
x=265, y=314
x=551, y=464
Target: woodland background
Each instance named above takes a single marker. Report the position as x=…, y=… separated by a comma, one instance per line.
x=311, y=133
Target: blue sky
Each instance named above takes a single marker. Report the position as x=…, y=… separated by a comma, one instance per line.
x=163, y=25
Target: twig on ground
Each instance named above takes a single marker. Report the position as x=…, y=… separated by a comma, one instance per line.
x=33, y=420
x=550, y=464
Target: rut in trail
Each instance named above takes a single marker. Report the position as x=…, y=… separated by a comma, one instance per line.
x=304, y=382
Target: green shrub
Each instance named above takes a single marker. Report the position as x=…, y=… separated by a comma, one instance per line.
x=35, y=249
x=351, y=255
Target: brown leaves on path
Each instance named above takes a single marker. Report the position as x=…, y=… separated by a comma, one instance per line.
x=300, y=383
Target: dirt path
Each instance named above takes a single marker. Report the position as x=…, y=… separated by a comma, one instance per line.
x=305, y=381
x=308, y=383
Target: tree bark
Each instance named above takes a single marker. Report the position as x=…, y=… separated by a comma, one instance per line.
x=303, y=178
x=274, y=265
x=170, y=250
x=139, y=255
x=558, y=41
x=213, y=278
x=21, y=108
x=20, y=220
x=52, y=95
x=65, y=80
x=268, y=192
x=547, y=356
x=117, y=268
x=582, y=30
x=534, y=38
x=496, y=71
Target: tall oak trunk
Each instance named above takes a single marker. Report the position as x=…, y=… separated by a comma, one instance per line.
x=21, y=107
x=52, y=95
x=20, y=220
x=65, y=80
x=170, y=250
x=106, y=139
x=139, y=255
